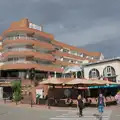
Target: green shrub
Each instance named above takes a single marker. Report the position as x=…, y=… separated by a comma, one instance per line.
x=16, y=86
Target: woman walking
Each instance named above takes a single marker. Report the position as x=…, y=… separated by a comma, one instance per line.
x=80, y=105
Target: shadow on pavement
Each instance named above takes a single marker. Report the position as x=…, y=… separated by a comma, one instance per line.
x=99, y=117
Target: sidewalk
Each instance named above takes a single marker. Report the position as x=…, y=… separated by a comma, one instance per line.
x=35, y=106
x=55, y=113
x=9, y=103
x=115, y=114
x=45, y=106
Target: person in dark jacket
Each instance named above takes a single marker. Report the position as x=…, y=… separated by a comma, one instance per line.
x=101, y=103
x=80, y=105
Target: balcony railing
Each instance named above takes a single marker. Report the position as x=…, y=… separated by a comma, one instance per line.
x=20, y=37
x=9, y=79
x=19, y=61
x=27, y=62
x=25, y=38
x=19, y=49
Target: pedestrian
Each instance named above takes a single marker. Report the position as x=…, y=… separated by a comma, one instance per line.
x=117, y=98
x=101, y=104
x=80, y=105
x=49, y=102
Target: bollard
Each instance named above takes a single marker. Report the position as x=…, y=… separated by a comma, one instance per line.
x=4, y=100
x=31, y=103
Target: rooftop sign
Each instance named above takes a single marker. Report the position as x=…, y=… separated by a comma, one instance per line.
x=33, y=26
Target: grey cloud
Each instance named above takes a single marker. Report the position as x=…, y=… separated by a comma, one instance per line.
x=83, y=21
x=98, y=32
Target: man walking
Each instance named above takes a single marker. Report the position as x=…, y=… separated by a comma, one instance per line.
x=101, y=104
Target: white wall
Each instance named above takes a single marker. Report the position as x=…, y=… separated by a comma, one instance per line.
x=100, y=67
x=101, y=57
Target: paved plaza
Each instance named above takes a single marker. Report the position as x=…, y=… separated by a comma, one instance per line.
x=12, y=112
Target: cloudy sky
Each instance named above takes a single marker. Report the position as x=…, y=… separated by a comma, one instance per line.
x=76, y=22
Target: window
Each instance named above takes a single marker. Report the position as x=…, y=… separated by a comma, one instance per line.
x=109, y=71
x=61, y=58
x=9, y=47
x=94, y=73
x=81, y=55
x=65, y=50
x=57, y=48
x=10, y=59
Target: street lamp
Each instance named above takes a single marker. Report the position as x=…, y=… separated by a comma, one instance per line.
x=30, y=74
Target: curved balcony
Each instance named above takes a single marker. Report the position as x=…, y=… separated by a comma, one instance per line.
x=36, y=55
x=25, y=66
x=62, y=63
x=70, y=56
x=29, y=31
x=62, y=54
x=48, y=57
x=79, y=50
x=27, y=41
x=18, y=50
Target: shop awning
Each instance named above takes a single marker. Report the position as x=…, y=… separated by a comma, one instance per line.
x=77, y=82
x=84, y=82
x=105, y=86
x=55, y=81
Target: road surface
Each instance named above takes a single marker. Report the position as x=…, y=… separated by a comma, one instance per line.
x=8, y=112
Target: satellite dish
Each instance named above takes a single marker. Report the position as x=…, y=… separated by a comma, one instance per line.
x=67, y=92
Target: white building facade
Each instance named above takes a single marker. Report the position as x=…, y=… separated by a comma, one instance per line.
x=106, y=69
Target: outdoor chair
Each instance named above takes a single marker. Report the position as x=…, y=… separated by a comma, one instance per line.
x=89, y=100
x=108, y=99
x=94, y=102
x=113, y=98
x=69, y=102
x=84, y=100
x=74, y=102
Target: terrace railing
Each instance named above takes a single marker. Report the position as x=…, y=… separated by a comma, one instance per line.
x=9, y=79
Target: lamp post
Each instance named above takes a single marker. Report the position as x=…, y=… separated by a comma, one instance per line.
x=27, y=74
x=55, y=74
x=75, y=74
x=32, y=73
